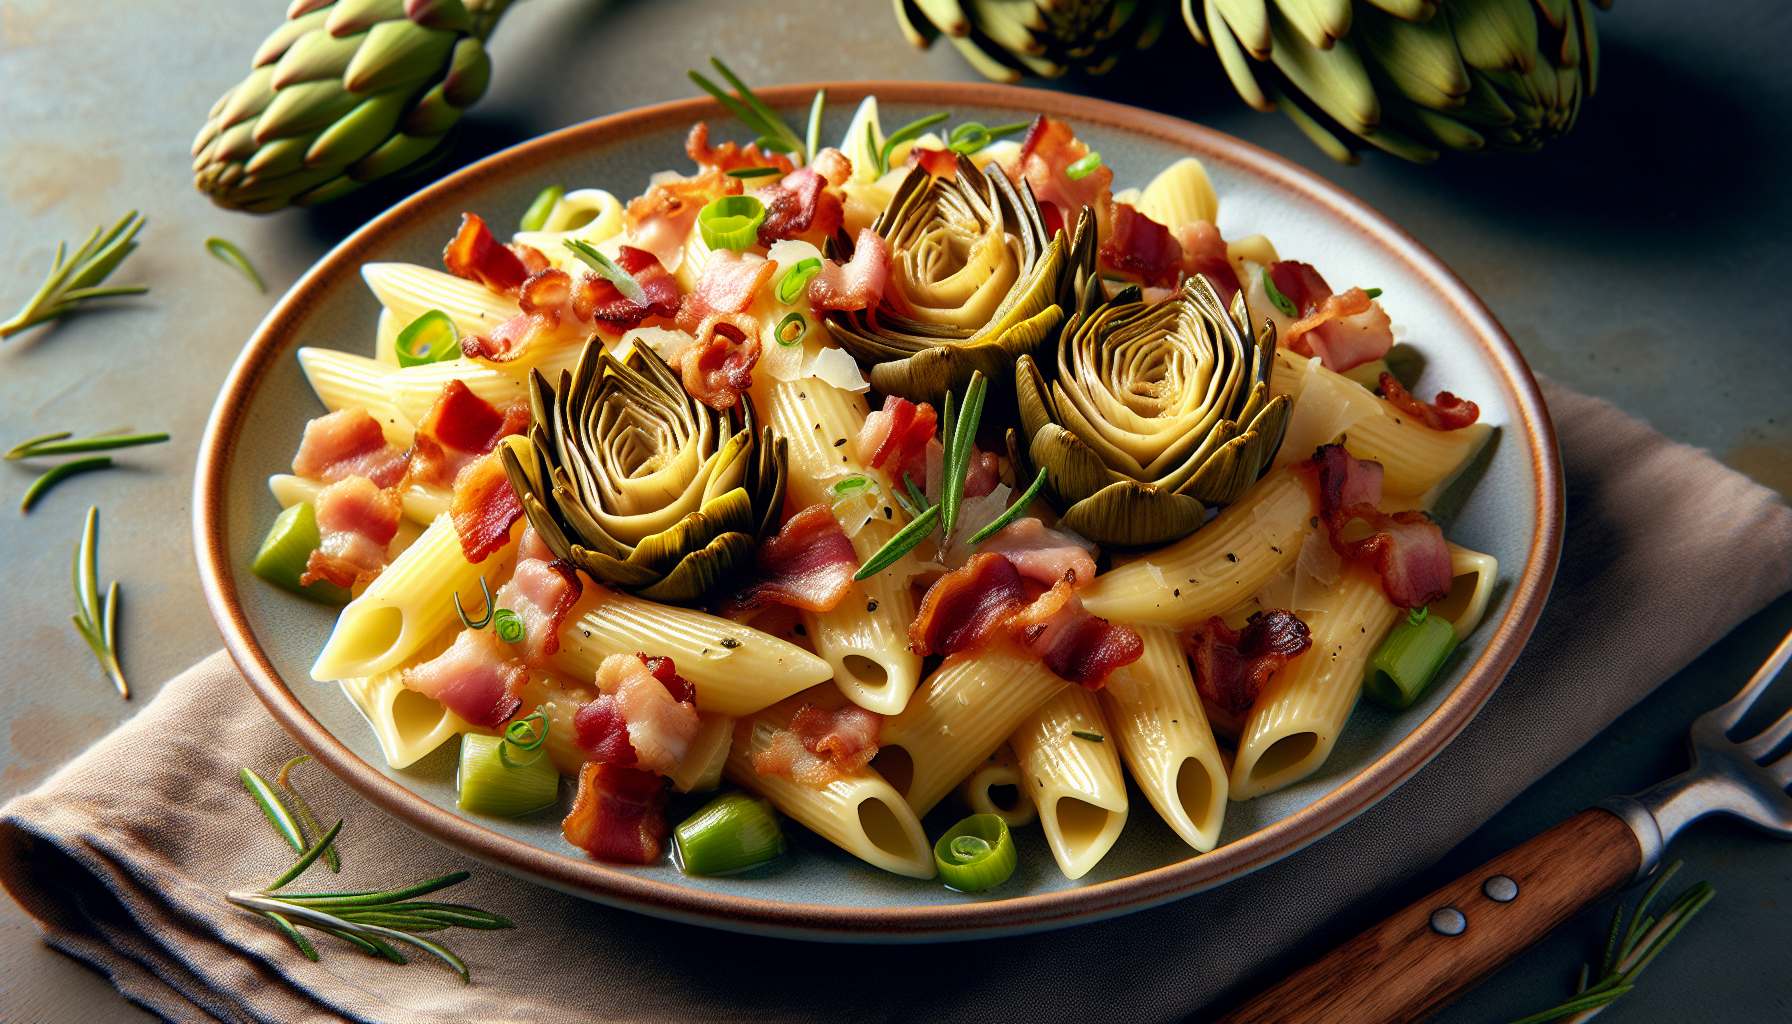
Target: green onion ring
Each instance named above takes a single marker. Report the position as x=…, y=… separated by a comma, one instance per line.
x=796, y=280
x=976, y=854
x=431, y=338
x=509, y=626
x=784, y=325
x=731, y=222
x=1083, y=168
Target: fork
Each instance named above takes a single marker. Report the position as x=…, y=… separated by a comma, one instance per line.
x=1418, y=960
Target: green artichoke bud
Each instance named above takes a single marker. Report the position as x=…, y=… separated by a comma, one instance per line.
x=1005, y=39
x=981, y=280
x=642, y=486
x=1155, y=411
x=1409, y=76
x=342, y=94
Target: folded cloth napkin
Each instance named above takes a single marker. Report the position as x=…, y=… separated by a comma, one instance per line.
x=123, y=855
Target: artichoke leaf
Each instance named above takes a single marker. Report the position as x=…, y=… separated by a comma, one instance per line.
x=612, y=570
x=730, y=513
x=1033, y=395
x=1073, y=472
x=1128, y=513
x=702, y=570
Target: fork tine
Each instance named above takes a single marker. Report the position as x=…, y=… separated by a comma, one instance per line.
x=1727, y=715
x=1781, y=771
x=1769, y=738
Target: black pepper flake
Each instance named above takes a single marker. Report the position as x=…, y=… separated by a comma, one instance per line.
x=730, y=643
x=1230, y=557
x=1176, y=593
x=800, y=631
x=1313, y=522
x=888, y=512
x=1277, y=550
x=871, y=606
x=587, y=633
x=839, y=442
x=801, y=394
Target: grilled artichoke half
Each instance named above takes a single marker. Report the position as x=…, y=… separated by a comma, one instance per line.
x=1408, y=76
x=1006, y=39
x=1155, y=411
x=639, y=484
x=343, y=93
x=982, y=280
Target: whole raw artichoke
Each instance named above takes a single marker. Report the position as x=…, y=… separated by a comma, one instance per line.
x=344, y=93
x=1152, y=412
x=977, y=278
x=642, y=486
x=1005, y=39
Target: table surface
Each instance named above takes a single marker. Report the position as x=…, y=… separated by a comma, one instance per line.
x=1643, y=259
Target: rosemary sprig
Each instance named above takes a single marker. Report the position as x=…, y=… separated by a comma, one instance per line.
x=1626, y=955
x=56, y=444
x=75, y=280
x=230, y=254
x=298, y=825
x=97, y=618
x=774, y=134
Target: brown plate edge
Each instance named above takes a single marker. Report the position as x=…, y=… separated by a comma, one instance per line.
x=965, y=921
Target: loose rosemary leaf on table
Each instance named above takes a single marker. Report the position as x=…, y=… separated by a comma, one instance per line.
x=95, y=617
x=75, y=280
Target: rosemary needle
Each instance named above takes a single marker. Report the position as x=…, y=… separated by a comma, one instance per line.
x=56, y=474
x=230, y=254
x=57, y=444
x=74, y=280
x=97, y=618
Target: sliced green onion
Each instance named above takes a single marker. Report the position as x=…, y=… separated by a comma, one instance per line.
x=1408, y=660
x=1373, y=293
x=524, y=734
x=731, y=222
x=1083, y=168
x=730, y=833
x=623, y=280
x=431, y=338
x=812, y=142
x=905, y=541
x=55, y=475
x=271, y=805
x=796, y=280
x=850, y=486
x=912, y=130
x=509, y=626
x=1014, y=511
x=489, y=785
x=230, y=254
x=976, y=853
x=753, y=172
x=1282, y=302
x=281, y=560
x=536, y=217
x=783, y=330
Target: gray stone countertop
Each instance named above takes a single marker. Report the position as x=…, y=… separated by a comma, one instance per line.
x=1643, y=259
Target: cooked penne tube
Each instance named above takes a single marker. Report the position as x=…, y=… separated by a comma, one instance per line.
x=1180, y=194
x=344, y=381
x=385, y=338
x=407, y=723
x=413, y=389
x=422, y=502
x=1228, y=560
x=996, y=787
x=736, y=669
x=865, y=636
x=408, y=603
x=958, y=717
x=701, y=768
x=1073, y=774
x=861, y=813
x=1302, y=709
x=409, y=291
x=1158, y=723
x=1471, y=588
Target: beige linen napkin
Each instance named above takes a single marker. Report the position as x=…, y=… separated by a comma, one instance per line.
x=123, y=855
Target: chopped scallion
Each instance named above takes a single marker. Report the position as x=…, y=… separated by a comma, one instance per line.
x=1373, y=293
x=796, y=280
x=431, y=338
x=976, y=854
x=536, y=217
x=1081, y=169
x=731, y=222
x=791, y=330
x=1409, y=659
x=492, y=784
x=729, y=834
x=509, y=626
x=284, y=553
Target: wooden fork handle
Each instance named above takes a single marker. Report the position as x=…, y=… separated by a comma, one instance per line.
x=1407, y=967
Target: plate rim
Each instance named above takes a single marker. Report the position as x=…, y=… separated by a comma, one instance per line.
x=593, y=880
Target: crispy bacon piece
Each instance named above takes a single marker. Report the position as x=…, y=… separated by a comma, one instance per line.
x=1204, y=252
x=345, y=443
x=541, y=591
x=1446, y=412
x=660, y=219
x=619, y=814
x=895, y=438
x=484, y=507
x=1142, y=246
x=1345, y=479
x=820, y=745
x=798, y=205
x=859, y=283
x=475, y=255
x=657, y=727
x=964, y=608
x=1045, y=155
x=719, y=366
x=1231, y=669
x=1409, y=552
x=1074, y=644
x=474, y=679
x=728, y=156
x=458, y=428
x=547, y=316
x=666, y=672
x=729, y=282
x=808, y=565
x=596, y=298
x=1344, y=331
x=941, y=163
x=603, y=733
x=1042, y=554
x=356, y=521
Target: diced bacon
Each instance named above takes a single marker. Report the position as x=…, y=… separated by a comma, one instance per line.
x=1231, y=669
x=476, y=679
x=597, y=298
x=728, y=156
x=1043, y=554
x=1142, y=246
x=475, y=255
x=1409, y=552
x=895, y=438
x=1344, y=331
x=809, y=565
x=603, y=733
x=458, y=428
x=729, y=282
x=547, y=316
x=534, y=260
x=941, y=163
x=1074, y=644
x=666, y=672
x=356, y=522
x=1045, y=156
x=1446, y=412
x=660, y=220
x=719, y=366
x=1345, y=479
x=859, y=283
x=1204, y=253
x=833, y=166
x=798, y=205
x=541, y=591
x=982, y=474
x=660, y=728
x=1300, y=284
x=348, y=442
x=964, y=608
x=619, y=814
x=484, y=507
x=820, y=746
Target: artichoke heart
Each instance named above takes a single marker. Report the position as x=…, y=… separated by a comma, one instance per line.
x=643, y=487
x=975, y=281
x=1153, y=412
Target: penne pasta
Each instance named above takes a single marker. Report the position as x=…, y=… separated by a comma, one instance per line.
x=422, y=502
x=385, y=338
x=1470, y=590
x=704, y=760
x=997, y=787
x=861, y=813
x=408, y=724
x=1073, y=774
x=1301, y=711
x=958, y=717
x=409, y=291
x=344, y=381
x=1163, y=735
x=1180, y=194
x=414, y=389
